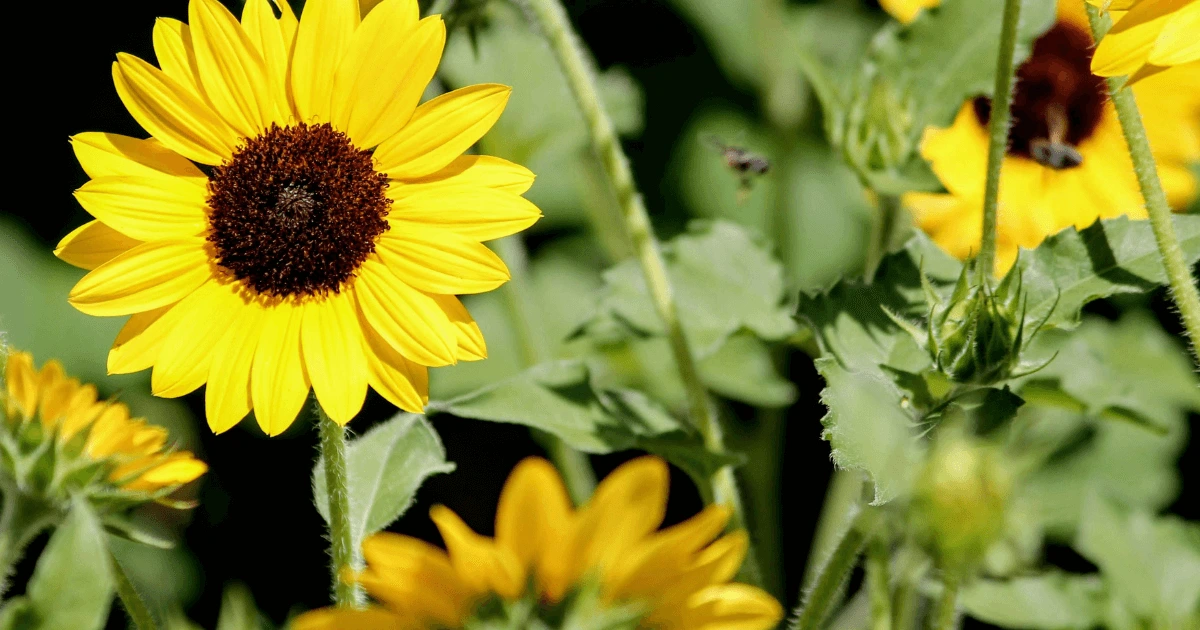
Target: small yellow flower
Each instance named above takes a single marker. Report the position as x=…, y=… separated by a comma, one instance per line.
x=1153, y=36
x=1067, y=162
x=139, y=458
x=680, y=574
x=334, y=223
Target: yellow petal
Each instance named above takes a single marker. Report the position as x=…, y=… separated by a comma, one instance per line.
x=484, y=171
x=80, y=413
x=732, y=607
x=471, y=346
x=442, y=130
x=227, y=397
x=137, y=345
x=374, y=98
x=21, y=384
x=412, y=575
x=627, y=506
x=146, y=277
x=176, y=469
x=186, y=353
x=533, y=520
x=231, y=70
x=440, y=261
x=906, y=10
x=482, y=565
x=402, y=382
x=278, y=384
x=93, y=244
x=110, y=154
x=325, y=31
x=266, y=35
x=288, y=24
x=171, y=113
x=373, y=618
x=146, y=208
x=1179, y=41
x=175, y=54
x=656, y=564
x=482, y=214
x=409, y=320
x=332, y=342
x=1127, y=45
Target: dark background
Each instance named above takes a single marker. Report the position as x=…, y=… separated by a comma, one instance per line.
x=255, y=522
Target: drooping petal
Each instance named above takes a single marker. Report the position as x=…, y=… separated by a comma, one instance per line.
x=372, y=101
x=110, y=154
x=265, y=34
x=332, y=343
x=279, y=384
x=373, y=618
x=628, y=505
x=146, y=277
x=442, y=130
x=172, y=113
x=409, y=320
x=175, y=469
x=479, y=562
x=227, y=398
x=479, y=213
x=137, y=344
x=412, y=575
x=186, y=354
x=440, y=261
x=533, y=519
x=146, y=208
x=732, y=607
x=402, y=382
x=1179, y=41
x=484, y=171
x=1128, y=44
x=93, y=244
x=325, y=31
x=232, y=71
x=20, y=384
x=175, y=54
x=471, y=345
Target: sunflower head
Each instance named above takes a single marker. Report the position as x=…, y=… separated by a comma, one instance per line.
x=552, y=563
x=58, y=440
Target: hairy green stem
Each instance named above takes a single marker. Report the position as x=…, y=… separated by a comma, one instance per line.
x=21, y=520
x=878, y=583
x=525, y=318
x=552, y=19
x=337, y=485
x=827, y=587
x=841, y=499
x=945, y=613
x=135, y=606
x=1183, y=285
x=998, y=134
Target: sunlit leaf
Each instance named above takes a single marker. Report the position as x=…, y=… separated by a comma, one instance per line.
x=72, y=586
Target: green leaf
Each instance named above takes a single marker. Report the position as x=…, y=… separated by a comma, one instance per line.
x=743, y=369
x=868, y=430
x=16, y=614
x=723, y=280
x=1109, y=257
x=1051, y=601
x=72, y=586
x=385, y=466
x=238, y=611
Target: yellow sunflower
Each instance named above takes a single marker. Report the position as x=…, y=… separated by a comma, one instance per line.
x=296, y=219
x=679, y=575
x=1153, y=36
x=1067, y=163
x=136, y=452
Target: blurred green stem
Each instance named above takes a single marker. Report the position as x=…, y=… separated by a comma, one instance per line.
x=945, y=613
x=841, y=496
x=1183, y=285
x=878, y=582
x=337, y=484
x=998, y=134
x=783, y=90
x=826, y=587
x=882, y=231
x=763, y=446
x=525, y=318
x=21, y=520
x=135, y=607
x=552, y=19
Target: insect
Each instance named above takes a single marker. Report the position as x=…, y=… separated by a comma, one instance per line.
x=742, y=161
x=1055, y=152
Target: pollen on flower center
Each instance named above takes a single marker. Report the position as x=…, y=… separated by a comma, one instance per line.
x=296, y=210
x=1057, y=97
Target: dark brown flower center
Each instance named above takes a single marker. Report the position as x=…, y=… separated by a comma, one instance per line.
x=296, y=210
x=1058, y=101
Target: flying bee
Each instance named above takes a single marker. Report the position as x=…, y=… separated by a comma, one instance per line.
x=1055, y=152
x=745, y=163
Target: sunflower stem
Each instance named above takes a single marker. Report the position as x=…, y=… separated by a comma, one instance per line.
x=945, y=613
x=878, y=583
x=1183, y=285
x=555, y=26
x=826, y=587
x=525, y=318
x=337, y=484
x=998, y=135
x=135, y=606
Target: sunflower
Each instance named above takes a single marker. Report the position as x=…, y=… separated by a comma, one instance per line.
x=133, y=453
x=1067, y=162
x=546, y=550
x=1153, y=36
x=296, y=219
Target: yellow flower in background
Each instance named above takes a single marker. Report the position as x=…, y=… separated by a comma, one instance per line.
x=1153, y=36
x=679, y=574
x=907, y=10
x=334, y=222
x=102, y=431
x=1067, y=163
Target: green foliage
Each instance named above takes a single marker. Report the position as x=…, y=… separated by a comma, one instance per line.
x=1050, y=601
x=385, y=466
x=72, y=586
x=238, y=611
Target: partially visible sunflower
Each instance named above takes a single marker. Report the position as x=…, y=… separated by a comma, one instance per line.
x=86, y=435
x=1067, y=163
x=329, y=225
x=546, y=550
x=1154, y=35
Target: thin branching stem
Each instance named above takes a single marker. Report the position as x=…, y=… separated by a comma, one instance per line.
x=998, y=134
x=878, y=583
x=135, y=606
x=826, y=588
x=945, y=613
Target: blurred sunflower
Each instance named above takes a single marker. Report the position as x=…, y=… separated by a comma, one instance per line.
x=1153, y=36
x=128, y=452
x=1067, y=162
x=334, y=221
x=547, y=551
